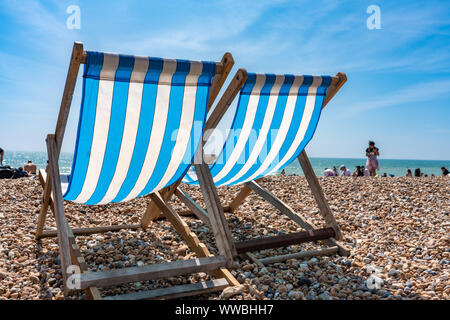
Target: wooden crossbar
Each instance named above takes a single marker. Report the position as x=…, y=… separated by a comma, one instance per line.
x=186, y=290
x=300, y=255
x=150, y=272
x=283, y=240
x=92, y=230
x=196, y=209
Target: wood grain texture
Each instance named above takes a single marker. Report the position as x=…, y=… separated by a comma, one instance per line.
x=186, y=290
x=64, y=109
x=283, y=240
x=300, y=255
x=150, y=272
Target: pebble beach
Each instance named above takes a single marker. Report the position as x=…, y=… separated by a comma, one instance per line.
x=398, y=230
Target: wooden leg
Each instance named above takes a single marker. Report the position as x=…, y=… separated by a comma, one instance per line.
x=197, y=210
x=216, y=215
x=92, y=293
x=44, y=208
x=153, y=212
x=240, y=197
x=75, y=254
x=61, y=223
x=317, y=192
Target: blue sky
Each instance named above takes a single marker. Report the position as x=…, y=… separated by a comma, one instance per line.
x=398, y=88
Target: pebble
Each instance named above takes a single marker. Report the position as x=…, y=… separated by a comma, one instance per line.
x=392, y=273
x=232, y=291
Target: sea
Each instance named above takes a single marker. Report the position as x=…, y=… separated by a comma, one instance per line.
x=394, y=167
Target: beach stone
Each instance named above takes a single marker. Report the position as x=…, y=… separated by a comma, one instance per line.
x=304, y=281
x=324, y=296
x=392, y=273
x=182, y=251
x=282, y=289
x=232, y=291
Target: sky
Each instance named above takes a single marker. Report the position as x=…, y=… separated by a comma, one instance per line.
x=398, y=87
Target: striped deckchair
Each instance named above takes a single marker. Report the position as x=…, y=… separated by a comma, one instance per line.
x=275, y=119
x=141, y=123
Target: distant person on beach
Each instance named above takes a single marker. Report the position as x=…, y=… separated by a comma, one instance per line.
x=372, y=153
x=328, y=173
x=2, y=153
x=365, y=172
x=283, y=172
x=445, y=172
x=19, y=173
x=335, y=170
x=358, y=172
x=345, y=171
x=30, y=167
x=417, y=173
x=409, y=173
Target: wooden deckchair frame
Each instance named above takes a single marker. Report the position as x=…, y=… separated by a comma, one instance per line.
x=330, y=235
x=69, y=251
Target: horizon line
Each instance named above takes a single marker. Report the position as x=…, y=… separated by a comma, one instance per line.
x=311, y=157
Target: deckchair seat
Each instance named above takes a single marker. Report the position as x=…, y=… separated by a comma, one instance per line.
x=141, y=121
x=276, y=117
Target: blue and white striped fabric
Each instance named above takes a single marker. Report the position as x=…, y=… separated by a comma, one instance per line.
x=275, y=119
x=141, y=121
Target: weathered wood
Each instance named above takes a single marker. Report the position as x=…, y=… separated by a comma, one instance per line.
x=300, y=255
x=61, y=223
x=227, y=63
x=280, y=205
x=239, y=198
x=294, y=216
x=93, y=230
x=255, y=260
x=43, y=180
x=75, y=254
x=283, y=240
x=153, y=212
x=198, y=211
x=92, y=293
x=150, y=272
x=66, y=101
x=318, y=194
x=177, y=222
x=186, y=290
x=334, y=88
x=216, y=215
